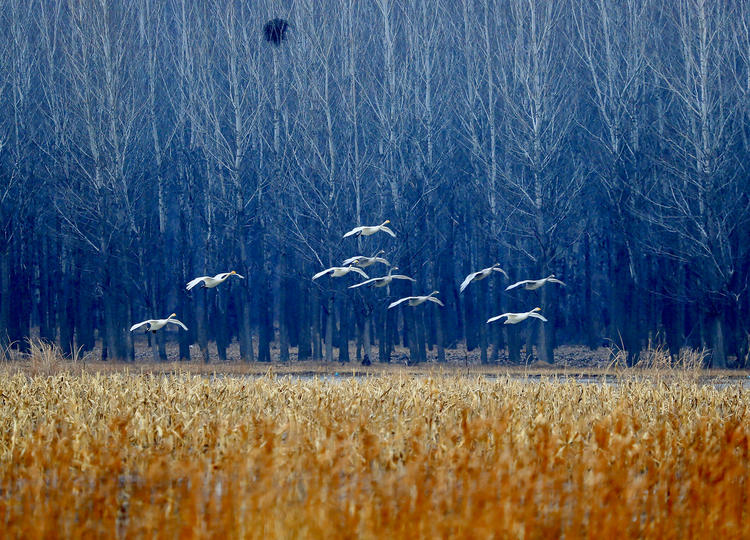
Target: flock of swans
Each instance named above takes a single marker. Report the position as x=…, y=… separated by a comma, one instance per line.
x=205, y=282
x=357, y=263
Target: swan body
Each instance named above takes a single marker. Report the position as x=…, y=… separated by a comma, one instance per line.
x=383, y=281
x=364, y=262
x=209, y=282
x=515, y=318
x=481, y=274
x=338, y=271
x=152, y=325
x=416, y=300
x=531, y=284
x=367, y=230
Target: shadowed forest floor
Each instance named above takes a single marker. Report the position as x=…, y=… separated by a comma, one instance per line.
x=570, y=362
x=565, y=356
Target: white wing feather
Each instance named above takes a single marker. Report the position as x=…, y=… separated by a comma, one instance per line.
x=138, y=325
x=397, y=302
x=195, y=282
x=518, y=284
x=503, y=272
x=466, y=282
x=373, y=280
x=359, y=271
x=496, y=318
x=322, y=273
x=179, y=323
x=354, y=231
x=537, y=316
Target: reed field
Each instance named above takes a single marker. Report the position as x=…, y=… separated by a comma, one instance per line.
x=394, y=456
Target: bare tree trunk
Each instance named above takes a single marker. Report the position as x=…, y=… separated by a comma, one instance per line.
x=316, y=331
x=283, y=308
x=329, y=309
x=343, y=332
x=4, y=297
x=715, y=326
x=200, y=325
x=307, y=327
x=219, y=326
x=546, y=341
x=366, y=337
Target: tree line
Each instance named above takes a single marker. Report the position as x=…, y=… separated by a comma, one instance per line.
x=144, y=143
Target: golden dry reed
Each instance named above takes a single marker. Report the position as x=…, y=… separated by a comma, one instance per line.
x=187, y=456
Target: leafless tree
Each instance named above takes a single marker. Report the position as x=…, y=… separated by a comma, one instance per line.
x=701, y=200
x=541, y=188
x=611, y=45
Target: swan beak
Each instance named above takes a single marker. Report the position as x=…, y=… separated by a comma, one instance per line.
x=232, y=272
x=387, y=220
x=173, y=315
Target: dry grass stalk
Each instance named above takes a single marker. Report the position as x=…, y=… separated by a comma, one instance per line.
x=397, y=457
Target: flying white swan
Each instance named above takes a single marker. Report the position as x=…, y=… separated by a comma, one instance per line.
x=481, y=274
x=153, y=325
x=515, y=318
x=209, y=282
x=364, y=262
x=367, y=230
x=383, y=281
x=416, y=300
x=531, y=284
x=338, y=271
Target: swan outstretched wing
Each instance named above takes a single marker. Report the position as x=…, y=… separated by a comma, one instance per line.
x=436, y=300
x=195, y=282
x=503, y=272
x=389, y=231
x=138, y=325
x=537, y=316
x=496, y=318
x=400, y=301
x=359, y=271
x=468, y=280
x=519, y=284
x=355, y=230
x=322, y=273
x=401, y=276
x=179, y=323
x=372, y=280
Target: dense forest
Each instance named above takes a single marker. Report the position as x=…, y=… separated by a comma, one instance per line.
x=144, y=143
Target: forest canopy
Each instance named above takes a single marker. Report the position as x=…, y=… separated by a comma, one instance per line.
x=144, y=143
